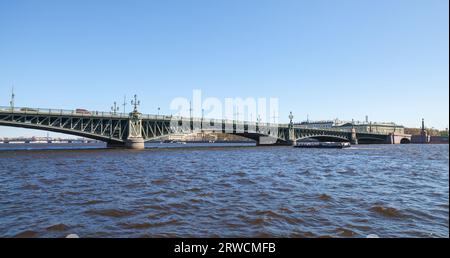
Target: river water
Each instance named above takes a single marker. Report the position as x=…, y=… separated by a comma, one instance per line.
x=387, y=190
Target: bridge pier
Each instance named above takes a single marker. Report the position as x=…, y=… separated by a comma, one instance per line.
x=397, y=138
x=353, y=138
x=135, y=140
x=135, y=143
x=291, y=138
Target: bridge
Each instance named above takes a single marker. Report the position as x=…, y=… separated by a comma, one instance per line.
x=134, y=129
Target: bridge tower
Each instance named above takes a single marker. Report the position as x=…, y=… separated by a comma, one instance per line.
x=291, y=139
x=353, y=139
x=135, y=139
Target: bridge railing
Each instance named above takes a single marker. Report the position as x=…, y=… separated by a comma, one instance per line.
x=54, y=111
x=205, y=120
x=90, y=113
x=324, y=129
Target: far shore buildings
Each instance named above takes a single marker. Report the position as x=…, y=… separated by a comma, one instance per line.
x=366, y=126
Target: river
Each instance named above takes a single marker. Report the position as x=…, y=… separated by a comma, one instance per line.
x=170, y=190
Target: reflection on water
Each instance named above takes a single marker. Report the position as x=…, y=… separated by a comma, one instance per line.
x=388, y=190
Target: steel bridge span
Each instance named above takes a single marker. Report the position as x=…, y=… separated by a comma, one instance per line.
x=133, y=129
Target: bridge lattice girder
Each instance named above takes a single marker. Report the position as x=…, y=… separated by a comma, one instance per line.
x=303, y=133
x=157, y=128
x=98, y=128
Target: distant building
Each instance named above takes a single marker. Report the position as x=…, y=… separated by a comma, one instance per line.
x=374, y=127
x=318, y=124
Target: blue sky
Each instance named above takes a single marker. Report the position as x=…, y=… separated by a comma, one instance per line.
x=330, y=59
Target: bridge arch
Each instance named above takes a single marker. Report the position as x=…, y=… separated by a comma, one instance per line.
x=370, y=140
x=260, y=138
x=325, y=138
x=405, y=141
x=61, y=130
x=252, y=136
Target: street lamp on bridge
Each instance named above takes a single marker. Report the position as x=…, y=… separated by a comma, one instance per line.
x=114, y=108
x=135, y=103
x=11, y=102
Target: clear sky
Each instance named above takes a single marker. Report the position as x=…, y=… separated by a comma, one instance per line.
x=387, y=59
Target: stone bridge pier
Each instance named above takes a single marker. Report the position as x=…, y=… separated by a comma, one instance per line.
x=353, y=138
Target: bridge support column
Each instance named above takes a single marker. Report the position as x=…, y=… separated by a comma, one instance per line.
x=131, y=143
x=390, y=139
x=353, y=138
x=136, y=143
x=135, y=140
x=291, y=138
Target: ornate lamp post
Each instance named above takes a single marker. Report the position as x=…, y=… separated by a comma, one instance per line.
x=135, y=103
x=258, y=121
x=114, y=108
x=291, y=129
x=11, y=102
x=290, y=119
x=135, y=139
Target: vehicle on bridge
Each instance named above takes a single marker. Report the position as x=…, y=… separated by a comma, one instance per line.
x=82, y=111
x=26, y=109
